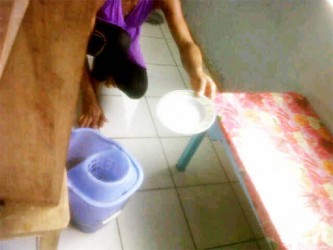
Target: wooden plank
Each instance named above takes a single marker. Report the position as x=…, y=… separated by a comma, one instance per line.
x=22, y=219
x=49, y=241
x=12, y=13
x=38, y=93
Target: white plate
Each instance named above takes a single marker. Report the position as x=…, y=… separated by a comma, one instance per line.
x=183, y=112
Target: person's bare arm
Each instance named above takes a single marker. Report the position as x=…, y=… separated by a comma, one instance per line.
x=190, y=53
x=92, y=114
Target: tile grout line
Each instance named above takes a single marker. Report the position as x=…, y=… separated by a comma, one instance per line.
x=155, y=127
x=146, y=137
x=244, y=214
x=168, y=163
x=232, y=244
x=155, y=189
x=229, y=183
x=119, y=234
x=235, y=193
x=155, y=123
x=151, y=36
x=215, y=150
x=173, y=181
x=181, y=75
x=166, y=40
x=237, y=197
x=257, y=244
x=187, y=186
x=176, y=187
x=169, y=48
x=37, y=240
x=151, y=117
x=157, y=38
x=160, y=64
x=178, y=195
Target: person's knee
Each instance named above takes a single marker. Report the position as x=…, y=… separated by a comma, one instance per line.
x=137, y=85
x=137, y=91
x=131, y=78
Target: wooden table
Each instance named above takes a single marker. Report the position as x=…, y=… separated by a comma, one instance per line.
x=42, y=53
x=23, y=219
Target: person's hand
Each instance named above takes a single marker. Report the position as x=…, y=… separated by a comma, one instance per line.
x=203, y=84
x=92, y=115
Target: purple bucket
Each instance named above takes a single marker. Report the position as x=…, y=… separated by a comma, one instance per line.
x=102, y=176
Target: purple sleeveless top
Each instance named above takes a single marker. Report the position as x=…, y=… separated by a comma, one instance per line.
x=112, y=12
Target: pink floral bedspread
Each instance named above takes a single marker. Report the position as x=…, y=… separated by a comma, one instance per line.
x=286, y=155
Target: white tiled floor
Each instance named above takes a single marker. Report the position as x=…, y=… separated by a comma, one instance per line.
x=202, y=208
x=28, y=243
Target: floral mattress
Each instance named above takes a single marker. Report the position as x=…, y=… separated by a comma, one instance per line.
x=286, y=155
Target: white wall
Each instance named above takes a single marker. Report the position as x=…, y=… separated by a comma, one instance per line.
x=268, y=45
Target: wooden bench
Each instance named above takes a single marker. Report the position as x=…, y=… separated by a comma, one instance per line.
x=42, y=51
x=20, y=219
x=283, y=156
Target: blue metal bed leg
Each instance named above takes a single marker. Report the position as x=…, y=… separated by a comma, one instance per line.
x=214, y=132
x=189, y=151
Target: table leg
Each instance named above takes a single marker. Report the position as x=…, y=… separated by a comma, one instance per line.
x=189, y=151
x=49, y=241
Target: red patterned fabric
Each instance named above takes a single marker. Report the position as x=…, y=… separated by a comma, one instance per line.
x=287, y=156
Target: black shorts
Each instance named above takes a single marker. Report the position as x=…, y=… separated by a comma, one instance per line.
x=109, y=44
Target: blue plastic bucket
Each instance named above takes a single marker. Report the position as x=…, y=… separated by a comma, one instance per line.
x=101, y=178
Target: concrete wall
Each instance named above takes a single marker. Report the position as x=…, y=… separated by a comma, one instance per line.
x=268, y=45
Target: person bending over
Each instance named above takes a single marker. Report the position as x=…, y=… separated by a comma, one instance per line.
x=114, y=43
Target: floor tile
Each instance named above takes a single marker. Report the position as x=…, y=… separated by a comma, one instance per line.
x=204, y=168
x=126, y=117
x=90, y=60
x=242, y=246
x=166, y=31
x=149, y=153
x=225, y=161
x=156, y=51
x=26, y=243
x=102, y=92
x=214, y=215
x=154, y=220
x=251, y=218
x=149, y=30
x=163, y=79
x=185, y=77
x=263, y=244
x=104, y=239
x=213, y=211
x=162, y=131
x=105, y=90
x=174, y=50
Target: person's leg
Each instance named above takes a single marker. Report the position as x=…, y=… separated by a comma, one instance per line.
x=109, y=44
x=114, y=62
x=131, y=78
